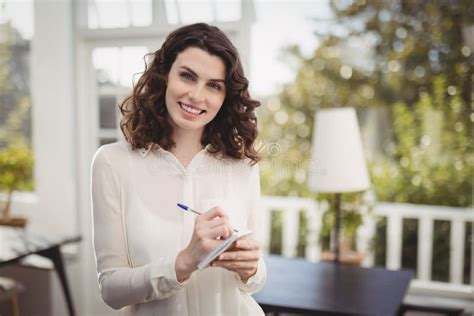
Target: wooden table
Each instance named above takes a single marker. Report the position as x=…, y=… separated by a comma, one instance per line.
x=17, y=243
x=324, y=288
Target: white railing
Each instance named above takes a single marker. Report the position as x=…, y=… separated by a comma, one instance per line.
x=426, y=216
x=26, y=204
x=290, y=208
x=395, y=214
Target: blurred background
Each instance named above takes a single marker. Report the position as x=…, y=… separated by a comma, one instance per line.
x=405, y=66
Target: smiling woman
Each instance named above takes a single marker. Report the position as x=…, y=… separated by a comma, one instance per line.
x=190, y=129
x=205, y=66
x=193, y=97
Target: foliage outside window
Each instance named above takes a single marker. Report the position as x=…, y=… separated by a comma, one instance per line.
x=16, y=156
x=409, y=58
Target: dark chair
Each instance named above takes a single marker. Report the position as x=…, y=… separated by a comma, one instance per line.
x=9, y=291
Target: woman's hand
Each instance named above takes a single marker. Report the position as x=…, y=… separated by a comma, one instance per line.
x=242, y=258
x=208, y=229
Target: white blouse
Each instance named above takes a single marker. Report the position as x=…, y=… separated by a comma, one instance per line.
x=139, y=230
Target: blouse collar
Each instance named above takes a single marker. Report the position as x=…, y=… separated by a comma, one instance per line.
x=145, y=151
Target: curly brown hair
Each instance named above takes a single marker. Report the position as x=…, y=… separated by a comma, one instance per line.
x=231, y=133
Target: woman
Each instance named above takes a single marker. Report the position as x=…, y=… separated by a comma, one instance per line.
x=190, y=129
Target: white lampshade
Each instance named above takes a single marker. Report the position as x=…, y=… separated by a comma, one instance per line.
x=337, y=155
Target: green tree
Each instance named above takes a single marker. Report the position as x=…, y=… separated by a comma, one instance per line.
x=16, y=156
x=414, y=42
x=405, y=35
x=433, y=160
x=15, y=99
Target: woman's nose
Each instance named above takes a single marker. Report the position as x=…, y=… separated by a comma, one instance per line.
x=197, y=95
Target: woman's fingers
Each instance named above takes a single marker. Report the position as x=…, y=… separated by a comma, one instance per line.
x=246, y=244
x=235, y=265
x=208, y=229
x=242, y=259
x=239, y=256
x=223, y=231
x=219, y=221
x=244, y=269
x=212, y=213
x=214, y=224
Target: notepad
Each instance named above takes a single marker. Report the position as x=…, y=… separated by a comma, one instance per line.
x=221, y=248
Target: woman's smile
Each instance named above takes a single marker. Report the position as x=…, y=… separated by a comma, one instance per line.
x=191, y=110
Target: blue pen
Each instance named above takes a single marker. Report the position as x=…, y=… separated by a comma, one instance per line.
x=187, y=208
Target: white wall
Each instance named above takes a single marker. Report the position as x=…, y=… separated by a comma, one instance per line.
x=55, y=141
x=53, y=117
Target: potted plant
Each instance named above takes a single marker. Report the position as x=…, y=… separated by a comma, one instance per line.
x=351, y=220
x=16, y=165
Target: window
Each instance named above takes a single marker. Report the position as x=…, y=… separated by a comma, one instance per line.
x=16, y=31
x=108, y=14
x=117, y=69
x=119, y=13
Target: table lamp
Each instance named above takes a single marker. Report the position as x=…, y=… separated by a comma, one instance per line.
x=337, y=158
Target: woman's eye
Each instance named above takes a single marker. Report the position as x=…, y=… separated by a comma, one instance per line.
x=186, y=76
x=215, y=86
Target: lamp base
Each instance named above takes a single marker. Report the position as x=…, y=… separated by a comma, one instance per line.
x=345, y=257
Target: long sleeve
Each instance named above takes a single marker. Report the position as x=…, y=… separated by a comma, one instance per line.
x=256, y=282
x=120, y=283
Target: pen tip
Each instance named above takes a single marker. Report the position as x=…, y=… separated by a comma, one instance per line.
x=184, y=207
